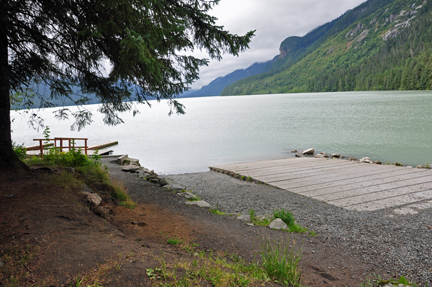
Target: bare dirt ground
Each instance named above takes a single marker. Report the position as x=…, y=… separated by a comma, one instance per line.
x=49, y=236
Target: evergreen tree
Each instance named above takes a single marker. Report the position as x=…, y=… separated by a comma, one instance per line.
x=64, y=43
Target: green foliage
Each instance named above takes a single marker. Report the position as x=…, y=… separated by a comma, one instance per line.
x=289, y=219
x=378, y=281
x=143, y=41
x=286, y=216
x=174, y=241
x=19, y=150
x=336, y=61
x=281, y=263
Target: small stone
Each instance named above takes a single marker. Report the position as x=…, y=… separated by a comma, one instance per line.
x=419, y=166
x=134, y=222
x=189, y=195
x=377, y=162
x=244, y=217
x=86, y=188
x=320, y=156
x=175, y=187
x=200, y=203
x=278, y=224
x=1, y=264
x=294, y=151
x=309, y=151
x=250, y=224
x=335, y=155
x=365, y=160
x=94, y=199
x=166, y=181
x=131, y=168
x=265, y=216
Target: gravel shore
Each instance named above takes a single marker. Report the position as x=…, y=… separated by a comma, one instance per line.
x=400, y=244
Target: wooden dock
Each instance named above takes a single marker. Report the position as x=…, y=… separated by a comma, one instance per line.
x=348, y=184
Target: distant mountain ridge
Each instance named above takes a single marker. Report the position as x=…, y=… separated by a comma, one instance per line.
x=379, y=45
x=215, y=87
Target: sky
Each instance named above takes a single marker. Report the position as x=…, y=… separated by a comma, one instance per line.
x=274, y=21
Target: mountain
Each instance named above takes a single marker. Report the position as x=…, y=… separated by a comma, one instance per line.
x=216, y=87
x=379, y=45
x=40, y=94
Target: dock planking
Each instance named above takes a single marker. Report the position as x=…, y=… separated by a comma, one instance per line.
x=347, y=184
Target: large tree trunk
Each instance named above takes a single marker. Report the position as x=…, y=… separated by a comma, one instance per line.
x=8, y=158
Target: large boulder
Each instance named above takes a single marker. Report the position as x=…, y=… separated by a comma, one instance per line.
x=278, y=224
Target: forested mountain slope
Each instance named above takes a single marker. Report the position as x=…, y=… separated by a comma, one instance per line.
x=379, y=45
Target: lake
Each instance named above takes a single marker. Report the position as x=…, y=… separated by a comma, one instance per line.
x=390, y=126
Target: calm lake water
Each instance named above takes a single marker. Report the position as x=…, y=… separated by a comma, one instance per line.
x=389, y=126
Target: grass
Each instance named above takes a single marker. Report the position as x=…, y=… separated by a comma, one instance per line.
x=224, y=269
x=281, y=263
x=378, y=281
x=89, y=171
x=174, y=241
x=217, y=211
x=119, y=192
x=289, y=219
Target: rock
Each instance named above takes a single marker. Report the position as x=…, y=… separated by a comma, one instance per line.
x=335, y=155
x=278, y=224
x=134, y=161
x=250, y=224
x=298, y=155
x=365, y=160
x=200, y=203
x=397, y=164
x=189, y=195
x=419, y=166
x=244, y=217
x=324, y=154
x=294, y=151
x=166, y=181
x=143, y=174
x=408, y=166
x=86, y=188
x=121, y=159
x=309, y=151
x=131, y=168
x=268, y=217
x=175, y=187
x=94, y=199
x=377, y=162
x=134, y=222
x=320, y=156
x=101, y=211
x=1, y=264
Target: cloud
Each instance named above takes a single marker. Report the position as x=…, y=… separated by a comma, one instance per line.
x=274, y=21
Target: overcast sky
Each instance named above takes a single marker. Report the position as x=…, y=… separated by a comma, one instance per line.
x=273, y=20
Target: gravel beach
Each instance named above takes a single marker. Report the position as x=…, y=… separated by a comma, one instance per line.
x=399, y=244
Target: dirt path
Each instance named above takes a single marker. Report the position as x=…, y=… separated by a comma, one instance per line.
x=323, y=262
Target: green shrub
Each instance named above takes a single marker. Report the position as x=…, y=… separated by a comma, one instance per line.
x=286, y=216
x=19, y=150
